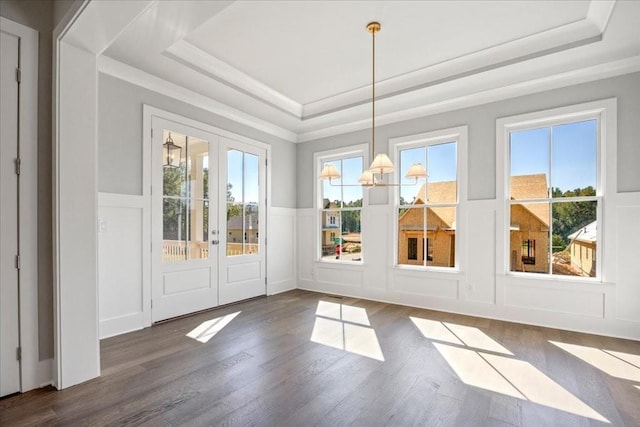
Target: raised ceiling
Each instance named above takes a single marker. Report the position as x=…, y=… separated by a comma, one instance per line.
x=302, y=70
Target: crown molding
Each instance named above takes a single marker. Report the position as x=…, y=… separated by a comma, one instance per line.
x=205, y=63
x=148, y=81
x=582, y=75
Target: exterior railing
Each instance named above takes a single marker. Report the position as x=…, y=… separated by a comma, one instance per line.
x=179, y=250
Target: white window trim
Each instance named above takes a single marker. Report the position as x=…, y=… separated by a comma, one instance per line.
x=605, y=111
x=337, y=154
x=459, y=135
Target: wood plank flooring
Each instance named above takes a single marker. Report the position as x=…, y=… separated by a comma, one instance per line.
x=305, y=359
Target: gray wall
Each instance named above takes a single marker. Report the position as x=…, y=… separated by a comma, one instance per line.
x=120, y=139
x=482, y=122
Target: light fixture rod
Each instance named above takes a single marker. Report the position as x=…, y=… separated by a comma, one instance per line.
x=373, y=28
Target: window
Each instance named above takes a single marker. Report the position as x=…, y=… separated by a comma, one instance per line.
x=412, y=249
x=427, y=212
x=553, y=188
x=341, y=208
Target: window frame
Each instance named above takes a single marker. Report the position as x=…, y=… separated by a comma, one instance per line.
x=358, y=150
x=604, y=112
x=459, y=135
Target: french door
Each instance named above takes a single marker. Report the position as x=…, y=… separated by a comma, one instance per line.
x=208, y=211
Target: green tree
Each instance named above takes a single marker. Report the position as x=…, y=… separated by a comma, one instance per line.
x=569, y=217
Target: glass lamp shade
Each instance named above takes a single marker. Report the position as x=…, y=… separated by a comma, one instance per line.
x=172, y=153
x=417, y=171
x=329, y=172
x=367, y=179
x=381, y=164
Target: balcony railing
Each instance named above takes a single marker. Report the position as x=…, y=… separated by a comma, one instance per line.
x=179, y=250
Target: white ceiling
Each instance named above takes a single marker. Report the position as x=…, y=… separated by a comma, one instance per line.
x=302, y=69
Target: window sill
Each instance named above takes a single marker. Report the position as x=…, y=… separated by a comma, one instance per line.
x=436, y=271
x=337, y=262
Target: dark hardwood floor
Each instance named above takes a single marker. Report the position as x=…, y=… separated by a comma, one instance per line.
x=304, y=359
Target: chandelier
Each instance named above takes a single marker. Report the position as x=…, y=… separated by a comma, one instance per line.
x=381, y=164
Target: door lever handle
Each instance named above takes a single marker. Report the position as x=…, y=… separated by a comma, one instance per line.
x=215, y=242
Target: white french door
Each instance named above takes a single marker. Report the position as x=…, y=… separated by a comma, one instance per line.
x=208, y=216
x=9, y=316
x=184, y=220
x=243, y=269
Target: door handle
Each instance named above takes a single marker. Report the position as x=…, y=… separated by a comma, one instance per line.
x=215, y=242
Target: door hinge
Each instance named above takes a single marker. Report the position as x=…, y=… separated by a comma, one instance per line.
x=18, y=162
x=151, y=133
x=19, y=353
x=18, y=75
x=18, y=262
x=151, y=303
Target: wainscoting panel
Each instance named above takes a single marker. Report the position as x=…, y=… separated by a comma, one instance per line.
x=426, y=286
x=281, y=250
x=481, y=254
x=122, y=263
x=564, y=301
x=339, y=276
x=628, y=262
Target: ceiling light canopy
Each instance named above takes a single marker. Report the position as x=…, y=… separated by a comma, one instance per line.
x=381, y=164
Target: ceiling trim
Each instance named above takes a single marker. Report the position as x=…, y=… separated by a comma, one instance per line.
x=582, y=75
x=199, y=60
x=148, y=81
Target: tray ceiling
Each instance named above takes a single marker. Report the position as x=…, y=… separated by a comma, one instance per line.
x=305, y=67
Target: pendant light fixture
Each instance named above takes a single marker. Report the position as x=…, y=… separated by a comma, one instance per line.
x=381, y=164
x=172, y=153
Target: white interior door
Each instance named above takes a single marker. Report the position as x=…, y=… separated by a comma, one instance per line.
x=242, y=263
x=184, y=220
x=9, y=323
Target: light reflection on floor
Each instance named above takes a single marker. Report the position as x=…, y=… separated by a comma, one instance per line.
x=614, y=363
x=209, y=328
x=346, y=328
x=480, y=361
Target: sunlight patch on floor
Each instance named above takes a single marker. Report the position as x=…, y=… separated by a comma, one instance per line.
x=480, y=361
x=343, y=312
x=458, y=334
x=208, y=329
x=614, y=363
x=346, y=328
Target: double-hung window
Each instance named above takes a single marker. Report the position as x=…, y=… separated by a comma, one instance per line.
x=553, y=191
x=340, y=213
x=427, y=213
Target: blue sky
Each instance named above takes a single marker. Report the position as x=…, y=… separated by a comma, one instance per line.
x=572, y=148
x=350, y=169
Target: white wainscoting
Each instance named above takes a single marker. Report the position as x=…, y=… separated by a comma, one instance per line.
x=281, y=250
x=607, y=308
x=123, y=263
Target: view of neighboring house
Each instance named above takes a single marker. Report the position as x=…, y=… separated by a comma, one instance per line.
x=529, y=231
x=529, y=226
x=582, y=248
x=237, y=234
x=438, y=247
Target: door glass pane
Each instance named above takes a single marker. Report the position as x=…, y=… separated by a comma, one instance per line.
x=174, y=164
x=252, y=229
x=185, y=197
x=174, y=230
x=529, y=160
x=574, y=238
x=529, y=237
x=574, y=159
x=234, y=176
x=235, y=229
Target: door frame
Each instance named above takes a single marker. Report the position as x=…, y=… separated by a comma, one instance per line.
x=33, y=372
x=148, y=114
